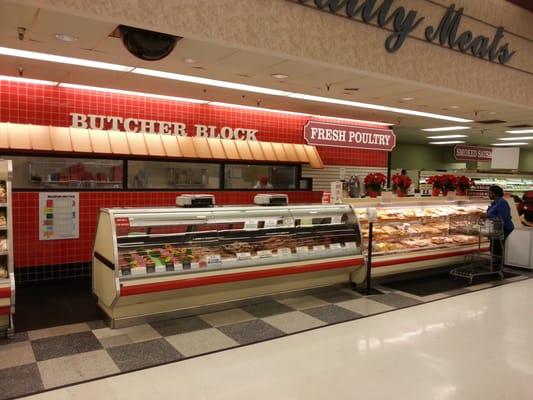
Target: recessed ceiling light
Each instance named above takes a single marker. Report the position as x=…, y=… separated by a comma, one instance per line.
x=510, y=144
x=446, y=128
x=66, y=38
x=279, y=76
x=520, y=131
x=407, y=98
x=516, y=138
x=190, y=60
x=447, y=137
x=448, y=142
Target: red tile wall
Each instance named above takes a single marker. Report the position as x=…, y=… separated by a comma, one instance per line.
x=49, y=105
x=45, y=105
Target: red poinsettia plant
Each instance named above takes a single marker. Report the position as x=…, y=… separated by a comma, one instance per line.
x=464, y=183
x=375, y=181
x=449, y=182
x=401, y=182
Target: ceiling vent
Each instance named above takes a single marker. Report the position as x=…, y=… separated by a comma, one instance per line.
x=146, y=45
x=491, y=121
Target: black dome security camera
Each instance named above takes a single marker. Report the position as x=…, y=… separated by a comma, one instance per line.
x=147, y=45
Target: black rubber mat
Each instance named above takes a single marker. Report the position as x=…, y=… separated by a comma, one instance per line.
x=47, y=305
x=428, y=285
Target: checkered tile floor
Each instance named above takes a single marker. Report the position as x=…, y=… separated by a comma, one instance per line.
x=42, y=359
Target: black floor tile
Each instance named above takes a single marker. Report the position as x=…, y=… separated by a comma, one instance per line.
x=395, y=300
x=332, y=313
x=142, y=355
x=20, y=381
x=64, y=345
x=266, y=309
x=336, y=296
x=251, y=331
x=180, y=325
x=97, y=324
x=48, y=305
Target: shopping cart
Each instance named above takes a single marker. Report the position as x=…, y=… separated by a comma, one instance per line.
x=480, y=262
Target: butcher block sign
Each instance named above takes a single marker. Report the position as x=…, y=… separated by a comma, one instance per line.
x=472, y=153
x=355, y=137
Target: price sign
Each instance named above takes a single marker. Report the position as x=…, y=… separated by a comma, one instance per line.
x=284, y=251
x=250, y=224
x=271, y=223
x=335, y=246
x=288, y=222
x=302, y=250
x=214, y=259
x=264, y=253
x=244, y=256
x=336, y=219
x=350, y=245
x=319, y=248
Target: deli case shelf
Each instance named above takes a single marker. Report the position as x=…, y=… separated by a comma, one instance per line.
x=418, y=233
x=149, y=262
x=7, y=276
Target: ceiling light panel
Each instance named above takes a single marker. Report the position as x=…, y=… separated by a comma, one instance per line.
x=510, y=144
x=446, y=128
x=131, y=93
x=27, y=80
x=517, y=138
x=63, y=60
x=520, y=131
x=448, y=142
x=447, y=137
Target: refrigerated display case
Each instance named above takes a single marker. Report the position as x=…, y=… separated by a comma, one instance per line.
x=419, y=233
x=7, y=276
x=154, y=261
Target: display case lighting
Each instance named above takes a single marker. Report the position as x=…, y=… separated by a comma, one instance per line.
x=27, y=80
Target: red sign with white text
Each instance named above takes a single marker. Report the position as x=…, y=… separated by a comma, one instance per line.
x=472, y=153
x=352, y=136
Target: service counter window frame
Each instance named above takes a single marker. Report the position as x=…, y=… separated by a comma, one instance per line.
x=173, y=175
x=261, y=177
x=66, y=173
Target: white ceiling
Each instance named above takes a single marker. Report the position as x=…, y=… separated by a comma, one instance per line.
x=243, y=66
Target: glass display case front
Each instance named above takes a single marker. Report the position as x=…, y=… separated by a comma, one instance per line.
x=182, y=241
x=408, y=228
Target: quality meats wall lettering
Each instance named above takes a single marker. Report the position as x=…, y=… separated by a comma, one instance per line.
x=138, y=125
x=356, y=137
x=401, y=22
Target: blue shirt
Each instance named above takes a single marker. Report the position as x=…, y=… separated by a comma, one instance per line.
x=500, y=209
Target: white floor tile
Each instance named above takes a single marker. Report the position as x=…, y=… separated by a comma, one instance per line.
x=198, y=342
x=365, y=306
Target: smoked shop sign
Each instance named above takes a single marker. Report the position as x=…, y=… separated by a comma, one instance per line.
x=472, y=153
x=402, y=22
x=136, y=125
x=355, y=137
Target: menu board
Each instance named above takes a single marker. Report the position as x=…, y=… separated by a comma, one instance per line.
x=59, y=215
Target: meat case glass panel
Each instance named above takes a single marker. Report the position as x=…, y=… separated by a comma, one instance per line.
x=180, y=241
x=408, y=228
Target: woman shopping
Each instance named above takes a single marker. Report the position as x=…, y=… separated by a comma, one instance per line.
x=499, y=209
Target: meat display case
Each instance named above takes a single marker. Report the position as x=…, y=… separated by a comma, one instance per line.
x=154, y=261
x=419, y=233
x=7, y=276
